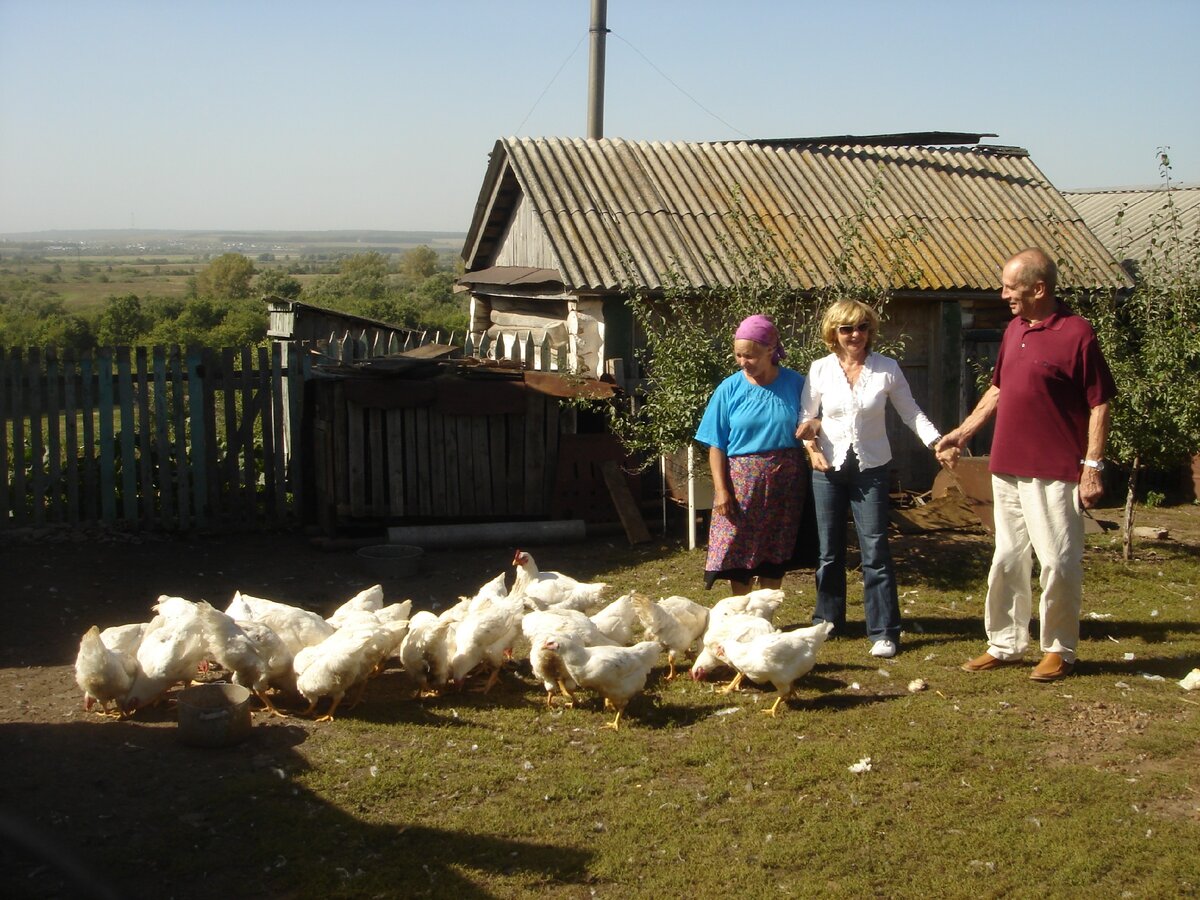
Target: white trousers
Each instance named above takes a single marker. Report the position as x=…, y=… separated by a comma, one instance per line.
x=1035, y=515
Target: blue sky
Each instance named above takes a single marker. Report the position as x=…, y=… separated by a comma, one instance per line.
x=360, y=114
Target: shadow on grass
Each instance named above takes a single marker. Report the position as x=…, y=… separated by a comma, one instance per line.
x=109, y=808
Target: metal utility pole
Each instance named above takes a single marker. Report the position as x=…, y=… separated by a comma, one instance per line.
x=599, y=29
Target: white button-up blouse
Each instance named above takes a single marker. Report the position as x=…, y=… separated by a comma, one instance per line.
x=856, y=417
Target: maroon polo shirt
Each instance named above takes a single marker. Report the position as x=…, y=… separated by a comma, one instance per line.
x=1050, y=376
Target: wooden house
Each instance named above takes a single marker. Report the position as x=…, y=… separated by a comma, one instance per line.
x=563, y=227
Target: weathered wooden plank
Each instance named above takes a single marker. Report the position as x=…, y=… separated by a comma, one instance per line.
x=54, y=492
x=20, y=487
x=107, y=455
x=34, y=405
x=450, y=455
x=90, y=501
x=534, y=500
x=468, y=490
x=377, y=482
x=298, y=361
x=323, y=466
x=145, y=433
x=622, y=497
x=8, y=457
x=424, y=450
x=553, y=413
x=203, y=374
x=70, y=435
x=183, y=479
x=437, y=463
x=355, y=448
x=514, y=424
x=412, y=475
x=481, y=464
x=249, y=415
x=498, y=460
x=162, y=439
x=277, y=390
x=127, y=442
x=340, y=459
x=394, y=420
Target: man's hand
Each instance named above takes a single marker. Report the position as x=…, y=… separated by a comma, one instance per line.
x=1091, y=487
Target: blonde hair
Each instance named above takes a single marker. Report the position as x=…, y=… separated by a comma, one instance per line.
x=848, y=312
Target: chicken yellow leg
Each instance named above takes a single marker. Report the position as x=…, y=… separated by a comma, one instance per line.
x=779, y=698
x=328, y=717
x=734, y=685
x=271, y=707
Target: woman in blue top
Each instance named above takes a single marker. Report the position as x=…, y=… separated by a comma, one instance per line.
x=758, y=470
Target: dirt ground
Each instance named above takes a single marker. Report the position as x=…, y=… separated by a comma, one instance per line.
x=65, y=768
x=72, y=787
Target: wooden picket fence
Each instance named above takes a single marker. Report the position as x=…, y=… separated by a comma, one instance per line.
x=164, y=438
x=517, y=346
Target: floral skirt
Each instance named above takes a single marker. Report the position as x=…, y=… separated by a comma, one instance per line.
x=760, y=537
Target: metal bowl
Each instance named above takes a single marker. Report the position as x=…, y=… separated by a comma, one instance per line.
x=214, y=715
x=391, y=560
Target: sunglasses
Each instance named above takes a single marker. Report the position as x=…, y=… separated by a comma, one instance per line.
x=850, y=329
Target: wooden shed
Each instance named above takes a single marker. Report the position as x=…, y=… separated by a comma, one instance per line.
x=563, y=227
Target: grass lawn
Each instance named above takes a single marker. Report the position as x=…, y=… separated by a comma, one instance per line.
x=983, y=784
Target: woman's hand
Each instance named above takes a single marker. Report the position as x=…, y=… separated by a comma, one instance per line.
x=723, y=503
x=808, y=429
x=818, y=460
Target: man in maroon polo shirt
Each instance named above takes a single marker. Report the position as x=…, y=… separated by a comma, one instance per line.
x=1050, y=393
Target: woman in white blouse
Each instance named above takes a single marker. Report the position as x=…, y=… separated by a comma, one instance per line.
x=849, y=390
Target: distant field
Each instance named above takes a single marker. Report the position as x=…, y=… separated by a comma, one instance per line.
x=84, y=269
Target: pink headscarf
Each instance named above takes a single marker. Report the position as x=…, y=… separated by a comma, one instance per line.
x=761, y=330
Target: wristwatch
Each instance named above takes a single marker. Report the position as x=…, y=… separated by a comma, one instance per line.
x=1097, y=464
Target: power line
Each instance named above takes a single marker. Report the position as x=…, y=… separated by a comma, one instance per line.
x=650, y=63
x=550, y=84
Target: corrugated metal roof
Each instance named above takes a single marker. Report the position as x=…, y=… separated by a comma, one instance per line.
x=616, y=211
x=1125, y=219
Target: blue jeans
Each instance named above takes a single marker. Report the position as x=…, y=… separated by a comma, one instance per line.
x=865, y=494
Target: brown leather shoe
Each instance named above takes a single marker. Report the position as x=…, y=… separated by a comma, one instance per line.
x=985, y=662
x=1052, y=668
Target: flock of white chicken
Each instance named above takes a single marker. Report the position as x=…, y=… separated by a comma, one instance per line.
x=575, y=641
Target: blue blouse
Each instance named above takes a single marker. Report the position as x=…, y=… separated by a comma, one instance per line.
x=743, y=417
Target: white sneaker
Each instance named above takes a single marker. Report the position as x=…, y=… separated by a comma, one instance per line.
x=884, y=648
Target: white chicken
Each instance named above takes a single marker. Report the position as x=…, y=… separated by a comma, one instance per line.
x=617, y=620
x=547, y=665
x=297, y=628
x=281, y=672
x=232, y=648
x=735, y=618
x=426, y=649
x=395, y=612
x=370, y=600
x=104, y=674
x=124, y=638
x=486, y=634
x=393, y=632
x=546, y=589
x=675, y=622
x=494, y=589
x=780, y=658
x=616, y=673
x=723, y=629
x=172, y=646
x=339, y=664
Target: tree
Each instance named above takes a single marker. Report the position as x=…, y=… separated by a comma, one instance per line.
x=688, y=333
x=418, y=263
x=277, y=283
x=1151, y=340
x=122, y=322
x=226, y=278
